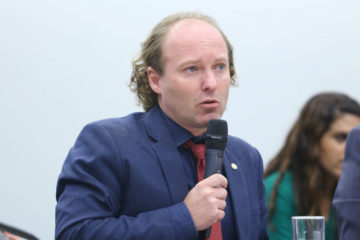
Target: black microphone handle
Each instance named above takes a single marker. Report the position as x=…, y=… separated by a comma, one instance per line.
x=214, y=163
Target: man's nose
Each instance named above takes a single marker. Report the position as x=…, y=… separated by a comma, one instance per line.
x=209, y=81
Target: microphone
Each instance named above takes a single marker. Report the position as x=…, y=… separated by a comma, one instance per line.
x=215, y=141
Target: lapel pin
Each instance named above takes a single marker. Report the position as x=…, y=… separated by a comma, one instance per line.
x=234, y=166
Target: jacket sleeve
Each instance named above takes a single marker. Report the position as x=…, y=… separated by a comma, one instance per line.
x=263, y=208
x=347, y=194
x=90, y=192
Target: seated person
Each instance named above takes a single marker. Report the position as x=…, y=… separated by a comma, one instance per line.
x=347, y=194
x=135, y=177
x=301, y=179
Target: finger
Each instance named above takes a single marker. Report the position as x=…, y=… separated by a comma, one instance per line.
x=221, y=204
x=220, y=215
x=216, y=180
x=220, y=193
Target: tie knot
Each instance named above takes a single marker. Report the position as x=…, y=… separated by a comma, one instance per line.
x=197, y=149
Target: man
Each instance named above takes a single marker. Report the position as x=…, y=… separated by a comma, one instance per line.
x=133, y=177
x=347, y=194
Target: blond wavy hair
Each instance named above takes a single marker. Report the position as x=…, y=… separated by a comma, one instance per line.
x=151, y=56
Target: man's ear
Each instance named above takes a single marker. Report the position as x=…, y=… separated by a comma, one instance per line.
x=154, y=79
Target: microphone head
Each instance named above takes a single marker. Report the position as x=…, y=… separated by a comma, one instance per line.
x=216, y=134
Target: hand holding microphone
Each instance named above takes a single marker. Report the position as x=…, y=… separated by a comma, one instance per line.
x=215, y=139
x=206, y=201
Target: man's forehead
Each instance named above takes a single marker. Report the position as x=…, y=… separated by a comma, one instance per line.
x=193, y=33
x=189, y=29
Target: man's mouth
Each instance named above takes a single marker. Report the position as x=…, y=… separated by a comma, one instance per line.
x=210, y=103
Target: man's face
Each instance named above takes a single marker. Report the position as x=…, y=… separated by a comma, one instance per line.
x=194, y=86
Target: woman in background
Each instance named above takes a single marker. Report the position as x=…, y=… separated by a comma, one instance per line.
x=301, y=179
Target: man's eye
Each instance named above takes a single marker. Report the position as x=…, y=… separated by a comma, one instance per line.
x=191, y=69
x=220, y=67
x=341, y=137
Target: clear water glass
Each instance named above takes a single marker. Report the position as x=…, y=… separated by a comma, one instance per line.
x=308, y=227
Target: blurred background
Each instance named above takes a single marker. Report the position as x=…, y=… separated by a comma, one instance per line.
x=66, y=63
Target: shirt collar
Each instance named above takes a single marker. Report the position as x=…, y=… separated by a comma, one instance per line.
x=179, y=134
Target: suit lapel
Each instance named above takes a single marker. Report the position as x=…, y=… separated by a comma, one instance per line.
x=173, y=169
x=167, y=154
x=239, y=195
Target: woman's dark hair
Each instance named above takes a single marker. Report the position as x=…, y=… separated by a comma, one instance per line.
x=301, y=152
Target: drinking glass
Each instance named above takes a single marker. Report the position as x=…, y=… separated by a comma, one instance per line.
x=308, y=227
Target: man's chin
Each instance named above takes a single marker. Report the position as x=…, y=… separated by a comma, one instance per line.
x=208, y=117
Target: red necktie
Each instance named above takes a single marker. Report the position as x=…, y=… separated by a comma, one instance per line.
x=198, y=151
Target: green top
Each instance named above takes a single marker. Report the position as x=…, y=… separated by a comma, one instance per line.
x=279, y=227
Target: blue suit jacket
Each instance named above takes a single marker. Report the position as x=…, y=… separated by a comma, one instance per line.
x=347, y=194
x=124, y=179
